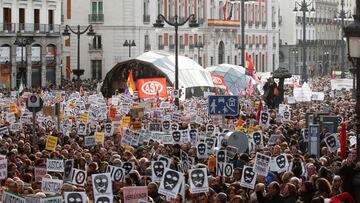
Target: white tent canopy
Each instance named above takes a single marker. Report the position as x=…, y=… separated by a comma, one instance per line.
x=191, y=74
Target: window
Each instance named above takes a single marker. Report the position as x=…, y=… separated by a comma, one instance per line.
x=181, y=8
x=211, y=61
x=160, y=6
x=97, y=7
x=235, y=60
x=191, y=40
x=170, y=9
x=212, y=8
x=146, y=7
x=228, y=60
x=221, y=14
x=51, y=19
x=22, y=18
x=97, y=42
x=37, y=19
x=199, y=13
x=160, y=42
x=96, y=69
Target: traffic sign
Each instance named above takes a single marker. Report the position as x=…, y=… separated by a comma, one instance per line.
x=223, y=105
x=34, y=103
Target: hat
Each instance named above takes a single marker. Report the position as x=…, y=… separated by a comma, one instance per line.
x=140, y=148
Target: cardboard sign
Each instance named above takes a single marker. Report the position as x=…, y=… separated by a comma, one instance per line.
x=11, y=197
x=15, y=127
x=170, y=183
x=51, y=185
x=39, y=173
x=3, y=169
x=55, y=165
x=152, y=87
x=134, y=194
x=75, y=197
x=102, y=184
x=248, y=177
x=78, y=177
x=89, y=141
x=10, y=117
x=332, y=142
x=12, y=107
x=198, y=180
x=4, y=131
x=116, y=173
x=264, y=119
x=57, y=199
x=100, y=136
x=165, y=159
x=262, y=162
x=201, y=150
x=224, y=169
x=68, y=167
x=84, y=117
x=82, y=129
x=157, y=170
x=51, y=143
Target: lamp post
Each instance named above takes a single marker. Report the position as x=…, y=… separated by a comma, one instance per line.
x=176, y=24
x=23, y=42
x=90, y=32
x=304, y=8
x=326, y=62
x=352, y=34
x=342, y=15
x=129, y=44
x=199, y=47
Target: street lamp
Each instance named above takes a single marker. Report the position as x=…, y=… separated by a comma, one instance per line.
x=90, y=32
x=160, y=24
x=23, y=42
x=326, y=62
x=304, y=8
x=129, y=44
x=352, y=34
x=342, y=15
x=199, y=47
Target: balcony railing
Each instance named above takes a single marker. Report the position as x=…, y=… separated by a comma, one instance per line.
x=95, y=47
x=146, y=18
x=96, y=18
x=160, y=46
x=263, y=24
x=30, y=28
x=147, y=47
x=172, y=47
x=191, y=46
x=257, y=24
x=182, y=46
x=250, y=45
x=257, y=46
x=274, y=25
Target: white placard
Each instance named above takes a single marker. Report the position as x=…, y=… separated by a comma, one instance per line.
x=198, y=180
x=3, y=169
x=248, y=177
x=261, y=166
x=51, y=185
x=157, y=170
x=201, y=150
x=102, y=184
x=116, y=173
x=55, y=165
x=78, y=177
x=332, y=142
x=170, y=183
x=78, y=197
x=224, y=169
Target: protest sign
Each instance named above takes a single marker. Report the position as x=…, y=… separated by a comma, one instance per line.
x=170, y=183
x=99, y=137
x=89, y=141
x=128, y=167
x=78, y=177
x=167, y=139
x=198, y=180
x=102, y=184
x=81, y=128
x=55, y=165
x=68, y=166
x=10, y=117
x=104, y=198
x=75, y=197
x=158, y=169
x=264, y=119
x=281, y=163
x=15, y=127
x=109, y=129
x=224, y=169
x=165, y=159
x=4, y=131
x=201, y=150
x=51, y=185
x=116, y=173
x=339, y=84
x=134, y=194
x=317, y=96
x=56, y=199
x=3, y=169
x=9, y=197
x=248, y=177
x=51, y=143
x=332, y=142
x=152, y=87
x=261, y=166
x=39, y=173
x=220, y=156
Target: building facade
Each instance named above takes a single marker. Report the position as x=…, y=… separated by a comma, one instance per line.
x=216, y=41
x=324, y=41
x=30, y=43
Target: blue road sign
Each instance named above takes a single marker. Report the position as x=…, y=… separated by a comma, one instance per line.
x=223, y=105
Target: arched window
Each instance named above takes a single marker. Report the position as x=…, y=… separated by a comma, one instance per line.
x=221, y=52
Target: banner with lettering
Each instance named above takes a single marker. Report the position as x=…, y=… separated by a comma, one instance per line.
x=152, y=87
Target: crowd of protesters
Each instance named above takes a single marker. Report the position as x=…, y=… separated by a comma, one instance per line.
x=326, y=178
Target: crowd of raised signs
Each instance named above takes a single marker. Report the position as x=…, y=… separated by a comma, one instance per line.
x=126, y=150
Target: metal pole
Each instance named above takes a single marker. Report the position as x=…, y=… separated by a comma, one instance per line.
x=129, y=50
x=342, y=15
x=22, y=59
x=78, y=57
x=357, y=107
x=34, y=127
x=304, y=42
x=176, y=61
x=242, y=33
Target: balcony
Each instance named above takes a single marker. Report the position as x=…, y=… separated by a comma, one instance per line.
x=273, y=25
x=201, y=21
x=250, y=45
x=264, y=24
x=191, y=46
x=161, y=46
x=250, y=23
x=182, y=46
x=95, y=47
x=147, y=47
x=96, y=18
x=257, y=24
x=30, y=28
x=146, y=19
x=257, y=46
x=172, y=47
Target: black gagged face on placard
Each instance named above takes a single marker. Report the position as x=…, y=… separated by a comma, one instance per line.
x=127, y=166
x=198, y=177
x=286, y=115
x=249, y=175
x=201, y=148
x=257, y=138
x=221, y=156
x=210, y=128
x=210, y=143
x=176, y=136
x=264, y=118
x=74, y=198
x=103, y=200
x=108, y=127
x=331, y=141
x=101, y=183
x=170, y=179
x=166, y=125
x=280, y=161
x=67, y=168
x=158, y=168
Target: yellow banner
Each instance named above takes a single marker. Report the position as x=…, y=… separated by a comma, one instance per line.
x=84, y=117
x=99, y=137
x=126, y=120
x=51, y=143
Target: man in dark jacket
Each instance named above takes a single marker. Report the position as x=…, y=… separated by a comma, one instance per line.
x=273, y=195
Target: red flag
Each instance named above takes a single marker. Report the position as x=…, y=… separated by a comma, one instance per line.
x=334, y=75
x=81, y=91
x=249, y=65
x=260, y=108
x=343, y=140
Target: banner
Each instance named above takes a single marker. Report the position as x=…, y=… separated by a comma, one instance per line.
x=218, y=80
x=51, y=185
x=10, y=197
x=55, y=165
x=3, y=169
x=51, y=143
x=134, y=194
x=151, y=87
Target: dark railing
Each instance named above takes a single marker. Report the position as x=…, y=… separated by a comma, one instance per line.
x=147, y=47
x=201, y=21
x=257, y=23
x=29, y=28
x=96, y=18
x=263, y=23
x=182, y=46
x=172, y=47
x=146, y=18
x=191, y=46
x=274, y=24
x=94, y=47
x=161, y=46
